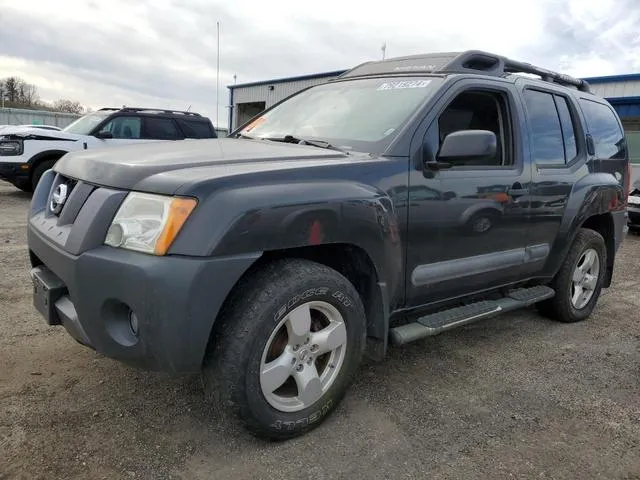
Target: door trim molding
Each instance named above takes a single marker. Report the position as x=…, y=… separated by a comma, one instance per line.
x=468, y=266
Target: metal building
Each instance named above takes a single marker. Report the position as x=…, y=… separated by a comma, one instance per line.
x=19, y=116
x=248, y=99
x=623, y=93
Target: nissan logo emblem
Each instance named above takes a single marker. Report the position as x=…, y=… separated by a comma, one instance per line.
x=58, y=198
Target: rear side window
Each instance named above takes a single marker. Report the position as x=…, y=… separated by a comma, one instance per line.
x=195, y=128
x=568, y=128
x=553, y=128
x=161, y=129
x=603, y=126
x=546, y=132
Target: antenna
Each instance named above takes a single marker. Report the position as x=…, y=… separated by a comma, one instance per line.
x=218, y=73
x=384, y=49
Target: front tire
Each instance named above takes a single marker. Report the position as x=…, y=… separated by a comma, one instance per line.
x=579, y=282
x=39, y=171
x=287, y=347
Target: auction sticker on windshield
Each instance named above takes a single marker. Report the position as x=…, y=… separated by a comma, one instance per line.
x=254, y=124
x=404, y=84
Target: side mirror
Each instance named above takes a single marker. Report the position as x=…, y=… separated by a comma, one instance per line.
x=469, y=144
x=104, y=134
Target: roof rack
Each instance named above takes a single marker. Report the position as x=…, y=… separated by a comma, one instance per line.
x=470, y=61
x=159, y=110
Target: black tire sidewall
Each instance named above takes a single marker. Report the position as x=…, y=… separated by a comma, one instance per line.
x=592, y=242
x=246, y=393
x=39, y=171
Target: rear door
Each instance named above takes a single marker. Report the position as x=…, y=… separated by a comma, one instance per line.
x=559, y=154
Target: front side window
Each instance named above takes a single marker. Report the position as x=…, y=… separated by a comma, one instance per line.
x=362, y=115
x=475, y=110
x=123, y=127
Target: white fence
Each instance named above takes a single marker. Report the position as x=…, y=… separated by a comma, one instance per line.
x=18, y=116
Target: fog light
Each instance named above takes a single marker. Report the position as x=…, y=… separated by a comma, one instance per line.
x=133, y=323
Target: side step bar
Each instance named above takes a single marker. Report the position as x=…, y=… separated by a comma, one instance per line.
x=439, y=322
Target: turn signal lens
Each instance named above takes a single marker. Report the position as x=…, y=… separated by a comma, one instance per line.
x=179, y=211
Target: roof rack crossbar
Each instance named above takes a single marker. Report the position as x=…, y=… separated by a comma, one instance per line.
x=512, y=66
x=470, y=61
x=143, y=109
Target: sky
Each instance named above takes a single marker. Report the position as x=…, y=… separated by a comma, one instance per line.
x=163, y=53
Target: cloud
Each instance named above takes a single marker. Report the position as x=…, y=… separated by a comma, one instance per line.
x=163, y=53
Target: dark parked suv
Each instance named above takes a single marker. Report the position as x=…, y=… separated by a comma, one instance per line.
x=403, y=199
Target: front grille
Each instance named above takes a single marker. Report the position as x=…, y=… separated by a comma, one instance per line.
x=66, y=197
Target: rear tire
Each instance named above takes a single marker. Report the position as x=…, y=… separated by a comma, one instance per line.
x=39, y=171
x=272, y=324
x=570, y=304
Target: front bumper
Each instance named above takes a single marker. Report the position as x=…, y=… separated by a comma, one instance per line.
x=93, y=292
x=633, y=212
x=13, y=172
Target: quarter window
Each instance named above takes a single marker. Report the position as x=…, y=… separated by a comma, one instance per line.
x=160, y=129
x=603, y=126
x=195, y=128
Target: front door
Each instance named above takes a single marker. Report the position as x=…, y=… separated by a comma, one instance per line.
x=479, y=205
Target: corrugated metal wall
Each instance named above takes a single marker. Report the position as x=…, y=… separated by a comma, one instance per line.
x=630, y=88
x=17, y=116
x=262, y=93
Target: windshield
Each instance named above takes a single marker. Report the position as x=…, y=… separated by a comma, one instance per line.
x=361, y=115
x=84, y=125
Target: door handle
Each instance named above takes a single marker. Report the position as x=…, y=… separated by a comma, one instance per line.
x=435, y=165
x=516, y=192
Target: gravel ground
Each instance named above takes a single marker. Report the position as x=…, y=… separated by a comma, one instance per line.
x=513, y=397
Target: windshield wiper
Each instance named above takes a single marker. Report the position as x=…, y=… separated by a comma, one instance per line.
x=244, y=135
x=306, y=141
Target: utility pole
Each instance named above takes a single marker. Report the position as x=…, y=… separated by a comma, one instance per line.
x=384, y=49
x=218, y=73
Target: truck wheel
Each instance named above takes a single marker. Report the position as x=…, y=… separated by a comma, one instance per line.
x=288, y=346
x=579, y=282
x=39, y=170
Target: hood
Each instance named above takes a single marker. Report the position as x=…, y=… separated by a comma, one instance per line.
x=31, y=133
x=163, y=167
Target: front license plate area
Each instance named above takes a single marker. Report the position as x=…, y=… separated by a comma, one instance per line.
x=47, y=290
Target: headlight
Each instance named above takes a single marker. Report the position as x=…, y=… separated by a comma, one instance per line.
x=148, y=223
x=10, y=147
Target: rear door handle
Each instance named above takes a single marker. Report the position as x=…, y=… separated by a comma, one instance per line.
x=515, y=192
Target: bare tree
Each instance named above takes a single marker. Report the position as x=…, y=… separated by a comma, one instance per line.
x=11, y=89
x=68, y=106
x=28, y=94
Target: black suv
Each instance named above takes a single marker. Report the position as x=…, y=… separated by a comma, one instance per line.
x=403, y=199
x=27, y=152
